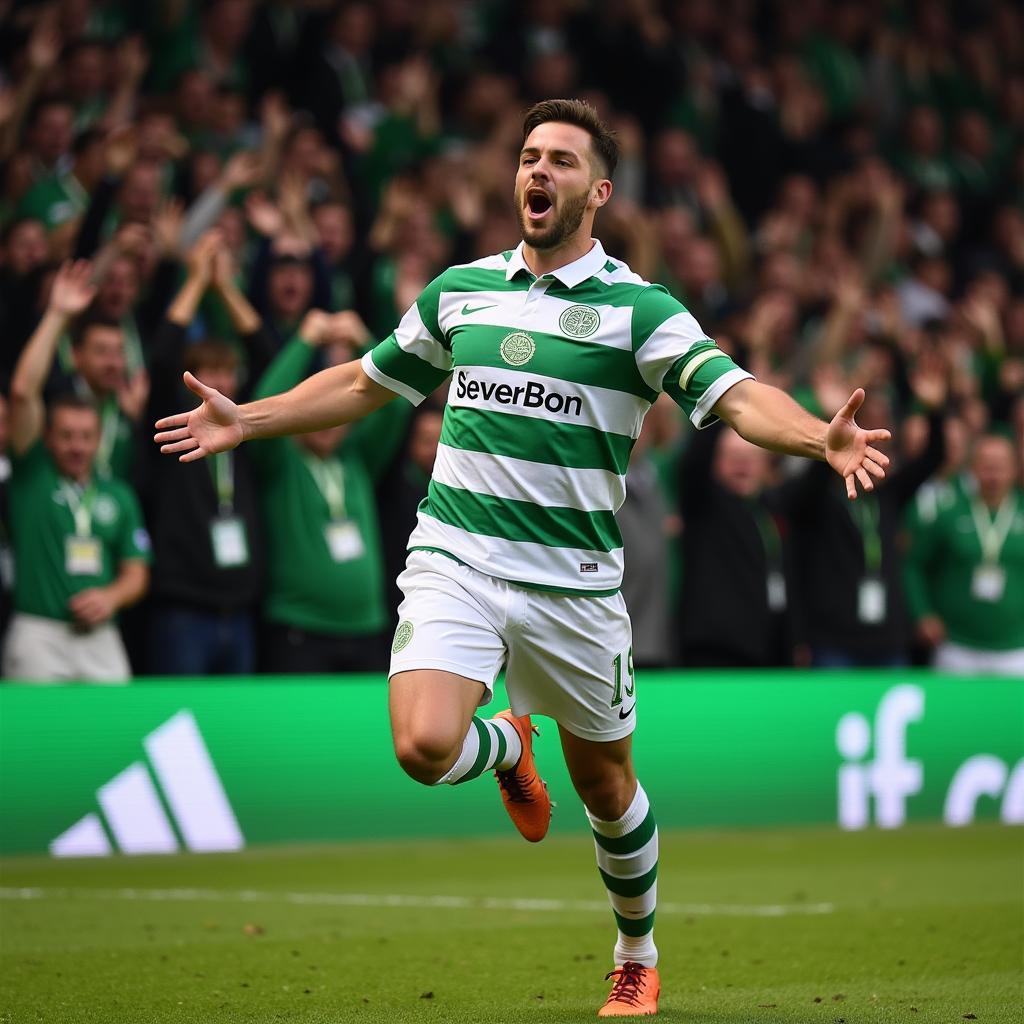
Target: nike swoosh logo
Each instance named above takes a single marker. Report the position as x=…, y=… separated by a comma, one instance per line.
x=476, y=309
x=629, y=712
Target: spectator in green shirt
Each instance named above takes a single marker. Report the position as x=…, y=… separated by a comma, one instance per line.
x=64, y=195
x=965, y=570
x=98, y=361
x=325, y=605
x=79, y=544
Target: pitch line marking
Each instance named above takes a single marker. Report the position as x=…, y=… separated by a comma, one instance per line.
x=384, y=900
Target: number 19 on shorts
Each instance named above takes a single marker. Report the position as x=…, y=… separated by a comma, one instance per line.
x=617, y=667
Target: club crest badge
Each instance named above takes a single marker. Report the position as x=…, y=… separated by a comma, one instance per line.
x=402, y=636
x=517, y=348
x=579, y=321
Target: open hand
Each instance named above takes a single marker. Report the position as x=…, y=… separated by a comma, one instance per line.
x=72, y=289
x=263, y=215
x=212, y=427
x=849, y=451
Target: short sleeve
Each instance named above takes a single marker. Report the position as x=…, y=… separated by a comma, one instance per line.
x=674, y=355
x=413, y=360
x=699, y=379
x=133, y=537
x=29, y=464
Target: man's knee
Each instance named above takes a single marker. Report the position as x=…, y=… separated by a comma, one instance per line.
x=425, y=757
x=607, y=796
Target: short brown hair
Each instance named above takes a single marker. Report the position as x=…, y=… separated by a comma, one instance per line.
x=582, y=115
x=210, y=352
x=71, y=401
x=86, y=322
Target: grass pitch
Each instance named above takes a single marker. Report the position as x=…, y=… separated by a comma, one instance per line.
x=802, y=926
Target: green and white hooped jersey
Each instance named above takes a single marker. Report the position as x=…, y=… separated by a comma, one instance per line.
x=551, y=379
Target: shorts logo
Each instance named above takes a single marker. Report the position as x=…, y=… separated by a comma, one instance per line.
x=402, y=637
x=588, y=566
x=579, y=321
x=517, y=348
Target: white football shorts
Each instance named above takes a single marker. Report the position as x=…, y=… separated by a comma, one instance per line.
x=566, y=657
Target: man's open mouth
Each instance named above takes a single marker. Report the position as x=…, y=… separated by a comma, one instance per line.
x=538, y=202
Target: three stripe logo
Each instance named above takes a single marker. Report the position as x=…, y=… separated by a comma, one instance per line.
x=190, y=809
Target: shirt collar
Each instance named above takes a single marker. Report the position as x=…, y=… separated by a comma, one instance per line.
x=571, y=274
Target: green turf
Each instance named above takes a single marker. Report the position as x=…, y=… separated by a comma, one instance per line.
x=926, y=926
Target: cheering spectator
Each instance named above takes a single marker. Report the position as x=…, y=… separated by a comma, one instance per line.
x=965, y=570
x=325, y=597
x=98, y=360
x=733, y=556
x=206, y=596
x=79, y=542
x=846, y=560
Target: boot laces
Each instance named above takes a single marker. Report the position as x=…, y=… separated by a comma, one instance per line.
x=515, y=784
x=629, y=983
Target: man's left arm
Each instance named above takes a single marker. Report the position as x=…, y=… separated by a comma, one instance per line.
x=673, y=354
x=769, y=418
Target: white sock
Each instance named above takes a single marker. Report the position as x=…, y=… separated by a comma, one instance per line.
x=627, y=857
x=490, y=743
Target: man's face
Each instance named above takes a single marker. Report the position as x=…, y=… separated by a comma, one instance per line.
x=26, y=247
x=87, y=72
x=555, y=184
x=993, y=467
x=119, y=290
x=334, y=227
x=140, y=193
x=739, y=466
x=99, y=359
x=73, y=438
x=290, y=288
x=52, y=133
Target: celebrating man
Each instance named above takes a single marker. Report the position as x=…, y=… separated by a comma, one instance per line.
x=557, y=352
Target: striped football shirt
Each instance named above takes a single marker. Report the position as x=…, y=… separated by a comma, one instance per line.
x=551, y=377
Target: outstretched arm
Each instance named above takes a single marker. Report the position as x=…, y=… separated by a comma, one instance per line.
x=339, y=394
x=70, y=293
x=768, y=417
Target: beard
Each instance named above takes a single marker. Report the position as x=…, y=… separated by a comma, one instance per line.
x=564, y=224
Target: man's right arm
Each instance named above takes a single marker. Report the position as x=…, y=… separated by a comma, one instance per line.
x=339, y=394
x=410, y=362
x=70, y=293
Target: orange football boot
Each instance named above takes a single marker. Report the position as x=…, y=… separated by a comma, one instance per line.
x=523, y=791
x=634, y=993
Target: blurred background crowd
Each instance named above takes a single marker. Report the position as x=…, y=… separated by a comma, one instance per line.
x=252, y=191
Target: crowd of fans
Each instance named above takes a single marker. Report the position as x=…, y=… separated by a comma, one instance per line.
x=834, y=188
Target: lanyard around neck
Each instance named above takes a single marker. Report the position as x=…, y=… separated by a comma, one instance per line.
x=769, y=531
x=329, y=477
x=80, y=501
x=992, y=533
x=109, y=423
x=866, y=516
x=222, y=469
